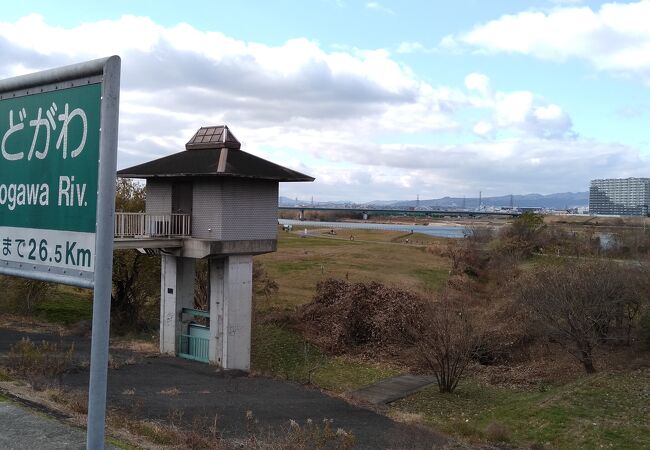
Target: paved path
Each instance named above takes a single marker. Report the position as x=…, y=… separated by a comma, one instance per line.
x=23, y=429
x=159, y=387
x=392, y=389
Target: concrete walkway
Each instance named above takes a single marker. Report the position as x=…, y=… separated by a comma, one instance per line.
x=391, y=389
x=23, y=429
x=157, y=388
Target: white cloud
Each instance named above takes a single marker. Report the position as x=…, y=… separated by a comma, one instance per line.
x=178, y=78
x=478, y=82
x=410, y=47
x=614, y=38
x=483, y=128
x=494, y=167
x=379, y=7
x=520, y=111
x=329, y=114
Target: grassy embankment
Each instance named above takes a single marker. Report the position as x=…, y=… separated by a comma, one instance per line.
x=300, y=263
x=608, y=410
x=66, y=305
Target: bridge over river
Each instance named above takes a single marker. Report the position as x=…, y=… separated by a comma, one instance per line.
x=366, y=212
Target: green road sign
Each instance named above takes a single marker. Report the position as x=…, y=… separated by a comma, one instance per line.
x=58, y=153
x=49, y=160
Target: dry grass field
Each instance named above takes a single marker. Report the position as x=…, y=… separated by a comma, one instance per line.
x=301, y=262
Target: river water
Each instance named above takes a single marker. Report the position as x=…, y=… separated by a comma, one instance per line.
x=432, y=230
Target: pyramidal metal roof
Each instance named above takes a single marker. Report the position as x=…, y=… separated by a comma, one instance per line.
x=213, y=137
x=213, y=151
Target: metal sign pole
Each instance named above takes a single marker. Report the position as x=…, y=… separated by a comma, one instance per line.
x=104, y=258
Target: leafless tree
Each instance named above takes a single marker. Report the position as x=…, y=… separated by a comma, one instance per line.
x=580, y=303
x=447, y=339
x=201, y=285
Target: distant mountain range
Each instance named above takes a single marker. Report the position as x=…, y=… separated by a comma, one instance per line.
x=561, y=200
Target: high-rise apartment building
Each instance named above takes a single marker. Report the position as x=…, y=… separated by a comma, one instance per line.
x=620, y=196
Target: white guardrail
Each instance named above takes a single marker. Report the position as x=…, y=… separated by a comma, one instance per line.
x=143, y=225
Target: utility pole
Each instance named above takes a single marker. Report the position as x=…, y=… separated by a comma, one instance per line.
x=463, y=202
x=512, y=202
x=417, y=202
x=480, y=195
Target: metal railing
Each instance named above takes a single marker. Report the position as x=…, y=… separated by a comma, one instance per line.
x=193, y=347
x=143, y=225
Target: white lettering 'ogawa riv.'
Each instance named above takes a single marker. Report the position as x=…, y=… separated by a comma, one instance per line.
x=70, y=193
x=49, y=124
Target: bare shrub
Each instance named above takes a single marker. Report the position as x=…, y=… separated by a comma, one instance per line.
x=523, y=237
x=370, y=317
x=263, y=282
x=136, y=286
x=644, y=329
x=202, y=432
x=580, y=304
x=480, y=234
x=447, y=340
x=296, y=436
x=21, y=295
x=201, y=285
x=75, y=400
x=39, y=363
x=497, y=433
x=468, y=257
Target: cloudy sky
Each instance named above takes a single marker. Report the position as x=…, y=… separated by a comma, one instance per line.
x=378, y=100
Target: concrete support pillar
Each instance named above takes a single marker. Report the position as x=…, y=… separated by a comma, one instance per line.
x=216, y=292
x=176, y=293
x=231, y=302
x=365, y=216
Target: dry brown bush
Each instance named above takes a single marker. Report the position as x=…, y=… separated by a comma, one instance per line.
x=497, y=433
x=370, y=318
x=21, y=295
x=39, y=363
x=583, y=305
x=201, y=432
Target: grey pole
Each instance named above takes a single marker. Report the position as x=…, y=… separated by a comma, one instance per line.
x=104, y=254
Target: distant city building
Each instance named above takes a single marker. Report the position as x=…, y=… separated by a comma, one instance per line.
x=620, y=196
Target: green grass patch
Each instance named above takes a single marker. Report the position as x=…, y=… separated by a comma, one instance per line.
x=277, y=351
x=285, y=267
x=119, y=444
x=290, y=240
x=299, y=264
x=4, y=376
x=66, y=306
x=603, y=411
x=432, y=279
x=343, y=375
x=280, y=352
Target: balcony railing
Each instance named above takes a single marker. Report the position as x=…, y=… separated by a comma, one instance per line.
x=143, y=225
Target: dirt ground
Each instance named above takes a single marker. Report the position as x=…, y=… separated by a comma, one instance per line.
x=157, y=387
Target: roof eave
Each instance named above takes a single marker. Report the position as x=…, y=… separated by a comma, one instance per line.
x=210, y=175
